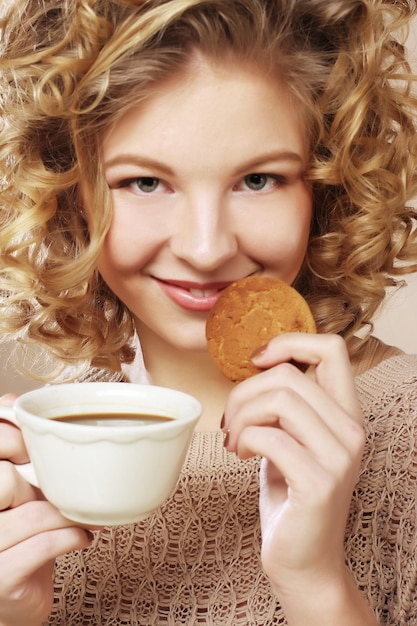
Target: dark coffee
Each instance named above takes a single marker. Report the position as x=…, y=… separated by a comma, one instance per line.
x=113, y=419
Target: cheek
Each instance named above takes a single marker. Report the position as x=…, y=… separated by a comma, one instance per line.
x=119, y=265
x=283, y=252
x=128, y=246
x=281, y=237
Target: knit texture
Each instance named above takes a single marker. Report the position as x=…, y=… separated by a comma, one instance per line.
x=197, y=559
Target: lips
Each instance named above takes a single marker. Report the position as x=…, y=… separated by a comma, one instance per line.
x=203, y=293
x=192, y=296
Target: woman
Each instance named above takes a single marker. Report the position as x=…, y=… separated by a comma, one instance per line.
x=152, y=153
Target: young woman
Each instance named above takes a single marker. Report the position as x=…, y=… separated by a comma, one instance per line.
x=152, y=153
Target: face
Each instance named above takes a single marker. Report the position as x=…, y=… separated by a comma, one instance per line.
x=206, y=179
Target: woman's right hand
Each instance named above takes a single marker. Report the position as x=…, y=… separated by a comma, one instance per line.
x=32, y=534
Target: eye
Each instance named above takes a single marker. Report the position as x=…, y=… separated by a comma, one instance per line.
x=260, y=182
x=147, y=184
x=142, y=184
x=256, y=181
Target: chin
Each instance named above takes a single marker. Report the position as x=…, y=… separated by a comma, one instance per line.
x=193, y=347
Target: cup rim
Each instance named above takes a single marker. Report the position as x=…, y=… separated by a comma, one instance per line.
x=26, y=404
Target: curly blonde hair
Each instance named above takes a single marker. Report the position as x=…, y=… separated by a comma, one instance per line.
x=68, y=69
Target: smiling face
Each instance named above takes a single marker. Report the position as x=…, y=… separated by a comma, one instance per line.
x=206, y=179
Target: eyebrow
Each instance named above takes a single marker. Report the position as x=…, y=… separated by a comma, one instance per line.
x=138, y=160
x=144, y=161
x=272, y=156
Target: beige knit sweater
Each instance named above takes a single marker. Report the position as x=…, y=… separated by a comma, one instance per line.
x=196, y=560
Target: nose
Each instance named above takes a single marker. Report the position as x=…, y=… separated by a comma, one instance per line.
x=204, y=236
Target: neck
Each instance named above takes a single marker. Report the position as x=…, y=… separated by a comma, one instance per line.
x=187, y=371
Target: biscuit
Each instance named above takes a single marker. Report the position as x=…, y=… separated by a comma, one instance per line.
x=246, y=316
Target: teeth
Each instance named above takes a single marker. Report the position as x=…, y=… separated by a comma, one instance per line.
x=203, y=293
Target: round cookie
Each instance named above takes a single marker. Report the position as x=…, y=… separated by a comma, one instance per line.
x=246, y=316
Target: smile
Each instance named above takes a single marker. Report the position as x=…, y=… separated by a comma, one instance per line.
x=191, y=296
x=203, y=293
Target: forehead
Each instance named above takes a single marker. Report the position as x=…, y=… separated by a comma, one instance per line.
x=212, y=103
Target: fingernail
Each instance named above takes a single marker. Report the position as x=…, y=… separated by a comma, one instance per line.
x=258, y=352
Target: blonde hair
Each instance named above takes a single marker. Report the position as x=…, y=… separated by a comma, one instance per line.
x=69, y=69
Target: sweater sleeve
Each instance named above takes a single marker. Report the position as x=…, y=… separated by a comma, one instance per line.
x=381, y=542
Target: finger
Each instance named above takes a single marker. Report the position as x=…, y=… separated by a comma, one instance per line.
x=33, y=553
x=39, y=592
x=309, y=483
x=29, y=520
x=329, y=356
x=8, y=399
x=14, y=490
x=286, y=454
x=285, y=397
x=285, y=409
x=12, y=446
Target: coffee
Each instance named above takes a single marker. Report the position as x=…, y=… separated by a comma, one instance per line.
x=112, y=419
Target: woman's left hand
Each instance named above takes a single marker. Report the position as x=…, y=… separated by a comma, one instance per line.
x=308, y=428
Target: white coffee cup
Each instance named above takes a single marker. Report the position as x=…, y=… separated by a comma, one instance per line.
x=111, y=473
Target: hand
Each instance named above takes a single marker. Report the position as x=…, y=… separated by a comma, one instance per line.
x=308, y=429
x=32, y=534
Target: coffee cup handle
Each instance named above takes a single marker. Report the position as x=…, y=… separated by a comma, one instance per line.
x=26, y=470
